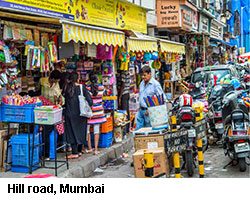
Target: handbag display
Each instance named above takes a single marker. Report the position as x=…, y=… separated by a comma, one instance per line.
x=85, y=109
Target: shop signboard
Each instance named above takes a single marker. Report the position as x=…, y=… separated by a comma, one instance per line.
x=107, y=13
x=168, y=14
x=204, y=24
x=52, y=8
x=186, y=18
x=216, y=30
x=195, y=22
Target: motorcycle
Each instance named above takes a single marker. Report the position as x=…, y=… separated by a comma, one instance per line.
x=185, y=114
x=236, y=136
x=215, y=109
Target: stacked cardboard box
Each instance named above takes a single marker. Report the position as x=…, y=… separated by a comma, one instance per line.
x=161, y=166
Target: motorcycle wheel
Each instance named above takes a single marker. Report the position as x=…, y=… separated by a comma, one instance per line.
x=242, y=164
x=189, y=162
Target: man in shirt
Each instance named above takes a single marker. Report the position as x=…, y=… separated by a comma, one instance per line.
x=148, y=87
x=123, y=93
x=50, y=89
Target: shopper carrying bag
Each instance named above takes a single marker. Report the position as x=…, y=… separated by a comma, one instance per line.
x=75, y=124
x=85, y=109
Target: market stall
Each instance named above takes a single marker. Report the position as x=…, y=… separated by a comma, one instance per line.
x=99, y=50
x=171, y=55
x=28, y=52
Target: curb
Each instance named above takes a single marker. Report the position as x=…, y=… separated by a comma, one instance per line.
x=85, y=168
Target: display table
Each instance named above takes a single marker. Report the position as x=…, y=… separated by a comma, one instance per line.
x=31, y=148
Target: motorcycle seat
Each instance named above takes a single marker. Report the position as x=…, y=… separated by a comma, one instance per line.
x=235, y=116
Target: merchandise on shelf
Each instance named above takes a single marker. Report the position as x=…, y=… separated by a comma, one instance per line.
x=19, y=100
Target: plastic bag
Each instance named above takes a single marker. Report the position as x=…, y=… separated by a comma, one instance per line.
x=85, y=109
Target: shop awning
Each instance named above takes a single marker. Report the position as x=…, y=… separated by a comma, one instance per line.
x=142, y=44
x=93, y=35
x=221, y=41
x=172, y=47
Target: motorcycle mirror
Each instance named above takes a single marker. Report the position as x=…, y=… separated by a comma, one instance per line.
x=197, y=85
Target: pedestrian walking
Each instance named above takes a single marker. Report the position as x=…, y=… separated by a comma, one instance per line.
x=75, y=125
x=96, y=91
x=148, y=87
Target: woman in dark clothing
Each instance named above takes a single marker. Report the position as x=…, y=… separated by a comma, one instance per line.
x=75, y=125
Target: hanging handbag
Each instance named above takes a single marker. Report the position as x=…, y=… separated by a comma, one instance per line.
x=85, y=109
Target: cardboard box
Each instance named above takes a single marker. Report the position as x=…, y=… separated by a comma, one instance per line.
x=4, y=136
x=160, y=162
x=151, y=141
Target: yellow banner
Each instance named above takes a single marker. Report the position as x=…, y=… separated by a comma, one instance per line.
x=107, y=13
x=113, y=14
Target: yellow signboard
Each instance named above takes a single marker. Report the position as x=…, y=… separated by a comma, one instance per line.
x=106, y=13
x=52, y=8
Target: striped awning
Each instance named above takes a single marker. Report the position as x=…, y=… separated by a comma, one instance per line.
x=142, y=45
x=172, y=47
x=92, y=35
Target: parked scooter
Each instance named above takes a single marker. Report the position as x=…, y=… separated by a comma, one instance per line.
x=236, y=134
x=215, y=109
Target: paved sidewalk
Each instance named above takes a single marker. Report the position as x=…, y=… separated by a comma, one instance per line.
x=85, y=165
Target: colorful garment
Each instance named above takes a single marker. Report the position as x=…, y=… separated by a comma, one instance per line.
x=97, y=108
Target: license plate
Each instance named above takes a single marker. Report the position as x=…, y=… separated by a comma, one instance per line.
x=241, y=147
x=218, y=125
x=191, y=133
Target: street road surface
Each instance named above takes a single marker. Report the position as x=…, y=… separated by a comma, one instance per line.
x=214, y=161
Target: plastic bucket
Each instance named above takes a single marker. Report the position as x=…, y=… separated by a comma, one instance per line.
x=158, y=117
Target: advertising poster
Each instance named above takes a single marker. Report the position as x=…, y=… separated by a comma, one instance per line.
x=106, y=13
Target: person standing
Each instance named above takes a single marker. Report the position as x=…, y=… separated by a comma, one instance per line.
x=123, y=94
x=96, y=91
x=75, y=125
x=51, y=95
x=148, y=87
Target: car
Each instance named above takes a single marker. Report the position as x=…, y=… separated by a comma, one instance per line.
x=201, y=75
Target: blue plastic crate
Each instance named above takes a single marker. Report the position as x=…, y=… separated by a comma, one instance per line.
x=19, y=144
x=18, y=114
x=105, y=140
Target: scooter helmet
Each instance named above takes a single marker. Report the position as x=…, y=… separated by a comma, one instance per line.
x=235, y=83
x=186, y=100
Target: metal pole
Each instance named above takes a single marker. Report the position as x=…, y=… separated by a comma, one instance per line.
x=204, y=50
x=176, y=155
x=199, y=117
x=149, y=164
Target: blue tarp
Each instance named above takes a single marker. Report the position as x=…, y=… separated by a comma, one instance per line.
x=241, y=5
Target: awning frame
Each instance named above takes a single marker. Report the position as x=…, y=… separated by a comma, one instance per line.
x=76, y=32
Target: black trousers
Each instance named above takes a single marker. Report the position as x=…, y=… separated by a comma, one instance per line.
x=125, y=106
x=76, y=148
x=46, y=135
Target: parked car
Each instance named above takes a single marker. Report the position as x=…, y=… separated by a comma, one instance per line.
x=202, y=74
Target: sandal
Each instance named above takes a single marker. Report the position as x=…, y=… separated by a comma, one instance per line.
x=88, y=151
x=71, y=156
x=96, y=152
x=80, y=154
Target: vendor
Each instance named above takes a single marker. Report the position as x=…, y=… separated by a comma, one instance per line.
x=50, y=88
x=184, y=71
x=148, y=87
